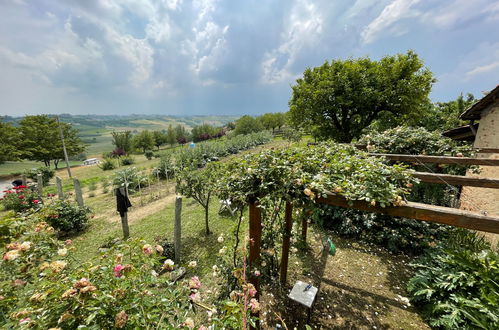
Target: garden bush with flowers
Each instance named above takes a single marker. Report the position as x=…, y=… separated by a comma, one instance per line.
x=65, y=216
x=43, y=286
x=20, y=198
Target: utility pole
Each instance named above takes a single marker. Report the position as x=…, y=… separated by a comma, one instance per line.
x=64, y=148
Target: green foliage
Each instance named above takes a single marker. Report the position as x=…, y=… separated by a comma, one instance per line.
x=171, y=137
x=130, y=178
x=292, y=134
x=40, y=139
x=122, y=141
x=247, y=125
x=107, y=164
x=302, y=173
x=20, y=199
x=443, y=116
x=456, y=284
x=149, y=154
x=413, y=141
x=144, y=140
x=271, y=121
x=9, y=140
x=66, y=217
x=205, y=132
x=396, y=234
x=199, y=185
x=159, y=139
x=181, y=134
x=340, y=98
x=46, y=172
x=165, y=169
x=127, y=160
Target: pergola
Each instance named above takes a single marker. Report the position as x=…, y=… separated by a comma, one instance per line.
x=411, y=210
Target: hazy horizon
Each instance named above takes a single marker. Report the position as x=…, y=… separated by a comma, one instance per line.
x=221, y=57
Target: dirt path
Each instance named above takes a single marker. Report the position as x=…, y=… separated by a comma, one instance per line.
x=139, y=212
x=361, y=287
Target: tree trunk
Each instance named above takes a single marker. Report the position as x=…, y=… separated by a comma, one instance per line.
x=206, y=219
x=56, y=163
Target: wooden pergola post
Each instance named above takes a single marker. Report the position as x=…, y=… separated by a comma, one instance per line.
x=255, y=231
x=304, y=227
x=286, y=241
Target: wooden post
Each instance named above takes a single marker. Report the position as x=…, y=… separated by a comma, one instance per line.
x=288, y=218
x=255, y=229
x=124, y=225
x=25, y=181
x=78, y=193
x=177, y=228
x=60, y=193
x=304, y=226
x=39, y=182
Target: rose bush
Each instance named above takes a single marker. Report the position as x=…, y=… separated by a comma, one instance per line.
x=21, y=198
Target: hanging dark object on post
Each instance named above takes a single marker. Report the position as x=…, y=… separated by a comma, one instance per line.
x=122, y=201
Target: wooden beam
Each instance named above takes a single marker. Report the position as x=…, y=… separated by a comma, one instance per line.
x=457, y=180
x=286, y=241
x=438, y=159
x=424, y=212
x=487, y=150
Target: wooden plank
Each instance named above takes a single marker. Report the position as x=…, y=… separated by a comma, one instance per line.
x=286, y=242
x=457, y=180
x=438, y=159
x=487, y=150
x=424, y=212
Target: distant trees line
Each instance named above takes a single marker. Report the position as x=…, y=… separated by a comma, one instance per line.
x=126, y=142
x=37, y=138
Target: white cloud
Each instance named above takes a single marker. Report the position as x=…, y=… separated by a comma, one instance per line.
x=302, y=31
x=483, y=69
x=391, y=14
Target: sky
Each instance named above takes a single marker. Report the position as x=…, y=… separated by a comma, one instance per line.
x=225, y=57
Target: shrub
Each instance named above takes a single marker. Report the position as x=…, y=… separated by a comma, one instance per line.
x=66, y=217
x=107, y=164
x=20, y=198
x=395, y=233
x=456, y=283
x=129, y=177
x=149, y=154
x=46, y=172
x=128, y=160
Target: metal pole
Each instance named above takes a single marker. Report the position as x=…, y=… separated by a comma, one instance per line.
x=64, y=147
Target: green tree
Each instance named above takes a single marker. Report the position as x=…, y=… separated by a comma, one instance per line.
x=247, y=124
x=443, y=116
x=340, y=98
x=199, y=185
x=159, y=138
x=144, y=140
x=123, y=141
x=271, y=121
x=9, y=140
x=40, y=139
x=171, y=137
x=181, y=134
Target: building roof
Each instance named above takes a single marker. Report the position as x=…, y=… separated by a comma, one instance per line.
x=475, y=111
x=462, y=133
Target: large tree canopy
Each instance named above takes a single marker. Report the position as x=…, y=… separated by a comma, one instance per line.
x=340, y=98
x=40, y=139
x=9, y=141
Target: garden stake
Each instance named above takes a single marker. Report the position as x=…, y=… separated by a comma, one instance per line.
x=60, y=193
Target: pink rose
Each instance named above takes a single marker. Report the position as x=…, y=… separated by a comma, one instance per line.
x=194, y=283
x=117, y=270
